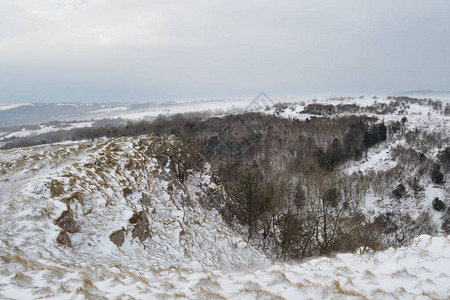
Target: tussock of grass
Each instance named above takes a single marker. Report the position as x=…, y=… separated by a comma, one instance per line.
x=44, y=291
x=179, y=295
x=56, y=188
x=21, y=280
x=402, y=273
x=87, y=283
x=431, y=295
x=281, y=277
x=20, y=260
x=380, y=291
x=300, y=285
x=346, y=292
x=208, y=282
x=89, y=295
x=54, y=272
x=259, y=293
x=64, y=289
x=207, y=294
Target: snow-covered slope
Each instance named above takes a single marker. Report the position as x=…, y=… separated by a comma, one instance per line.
x=112, y=204
x=419, y=271
x=119, y=218
x=423, y=128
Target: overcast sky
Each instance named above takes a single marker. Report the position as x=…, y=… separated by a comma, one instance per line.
x=143, y=50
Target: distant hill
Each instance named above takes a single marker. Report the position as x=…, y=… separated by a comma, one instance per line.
x=423, y=93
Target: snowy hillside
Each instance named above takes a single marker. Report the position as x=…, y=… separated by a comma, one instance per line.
x=118, y=202
x=423, y=128
x=419, y=271
x=142, y=217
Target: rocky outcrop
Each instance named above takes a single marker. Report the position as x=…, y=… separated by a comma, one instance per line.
x=67, y=222
x=64, y=239
x=141, y=224
x=118, y=237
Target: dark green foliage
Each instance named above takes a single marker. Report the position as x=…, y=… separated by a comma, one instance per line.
x=444, y=159
x=356, y=140
x=399, y=191
x=369, y=139
x=422, y=156
x=380, y=131
x=319, y=109
x=376, y=134
x=438, y=205
x=436, y=175
x=334, y=155
x=353, y=143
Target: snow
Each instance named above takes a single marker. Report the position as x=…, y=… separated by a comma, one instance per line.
x=109, y=110
x=11, y=106
x=421, y=269
x=44, y=129
x=191, y=253
x=183, y=236
x=213, y=106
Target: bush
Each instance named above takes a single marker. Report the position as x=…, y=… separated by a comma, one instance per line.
x=436, y=175
x=399, y=191
x=438, y=205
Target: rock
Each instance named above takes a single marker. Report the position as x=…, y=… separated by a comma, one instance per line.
x=141, y=228
x=146, y=199
x=67, y=222
x=64, y=239
x=118, y=237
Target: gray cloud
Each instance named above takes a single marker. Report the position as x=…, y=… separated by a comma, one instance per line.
x=142, y=50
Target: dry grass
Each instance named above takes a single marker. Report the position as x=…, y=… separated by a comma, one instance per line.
x=21, y=280
x=179, y=295
x=45, y=291
x=206, y=294
x=346, y=292
x=209, y=282
x=380, y=291
x=259, y=293
x=402, y=272
x=300, y=285
x=282, y=276
x=87, y=283
x=431, y=295
x=56, y=188
x=20, y=260
x=89, y=295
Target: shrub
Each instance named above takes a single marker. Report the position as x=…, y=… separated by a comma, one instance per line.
x=399, y=191
x=436, y=175
x=444, y=159
x=438, y=205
